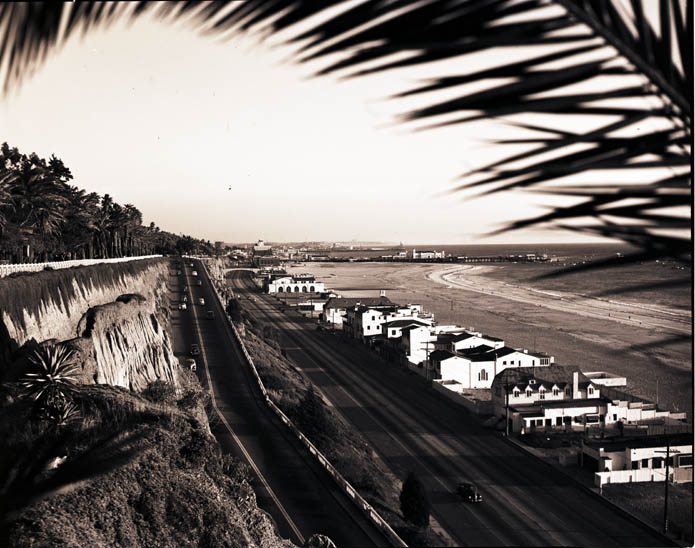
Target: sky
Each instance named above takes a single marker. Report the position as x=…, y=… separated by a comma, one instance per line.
x=225, y=140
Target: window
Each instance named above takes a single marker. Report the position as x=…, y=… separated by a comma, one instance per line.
x=482, y=375
x=685, y=460
x=567, y=391
x=591, y=391
x=533, y=362
x=281, y=289
x=645, y=463
x=635, y=465
x=504, y=362
x=516, y=393
x=528, y=393
x=311, y=288
x=541, y=393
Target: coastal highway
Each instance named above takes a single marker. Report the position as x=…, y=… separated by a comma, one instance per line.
x=289, y=484
x=526, y=502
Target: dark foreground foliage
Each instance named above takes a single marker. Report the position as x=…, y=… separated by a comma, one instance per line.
x=129, y=473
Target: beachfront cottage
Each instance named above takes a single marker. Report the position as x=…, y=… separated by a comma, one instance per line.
x=335, y=309
x=562, y=397
x=418, y=341
x=467, y=339
x=639, y=459
x=364, y=322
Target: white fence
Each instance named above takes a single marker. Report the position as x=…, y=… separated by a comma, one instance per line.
x=349, y=490
x=677, y=475
x=7, y=269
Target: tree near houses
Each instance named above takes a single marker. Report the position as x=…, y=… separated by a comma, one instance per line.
x=415, y=506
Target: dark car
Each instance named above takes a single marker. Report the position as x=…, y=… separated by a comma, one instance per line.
x=469, y=492
x=195, y=350
x=209, y=314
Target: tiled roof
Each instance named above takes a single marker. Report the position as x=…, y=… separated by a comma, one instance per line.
x=548, y=375
x=349, y=302
x=642, y=442
x=403, y=322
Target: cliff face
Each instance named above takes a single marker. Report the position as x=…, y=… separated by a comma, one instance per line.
x=49, y=305
x=125, y=344
x=121, y=340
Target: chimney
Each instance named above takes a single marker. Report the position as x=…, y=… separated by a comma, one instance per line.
x=382, y=293
x=575, y=385
x=525, y=351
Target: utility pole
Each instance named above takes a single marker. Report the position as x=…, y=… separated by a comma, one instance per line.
x=506, y=402
x=668, y=457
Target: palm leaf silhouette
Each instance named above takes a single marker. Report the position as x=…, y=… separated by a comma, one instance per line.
x=598, y=58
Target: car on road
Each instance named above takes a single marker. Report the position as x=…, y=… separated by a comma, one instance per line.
x=182, y=306
x=200, y=282
x=178, y=272
x=201, y=301
x=189, y=363
x=184, y=299
x=469, y=492
x=210, y=314
x=195, y=273
x=195, y=350
x=185, y=288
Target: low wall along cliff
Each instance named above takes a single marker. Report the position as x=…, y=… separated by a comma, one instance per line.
x=113, y=315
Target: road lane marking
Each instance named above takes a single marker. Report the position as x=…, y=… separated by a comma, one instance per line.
x=247, y=456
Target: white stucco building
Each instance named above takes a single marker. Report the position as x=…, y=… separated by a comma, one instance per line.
x=301, y=283
x=640, y=459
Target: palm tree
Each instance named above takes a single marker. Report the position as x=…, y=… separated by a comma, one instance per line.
x=608, y=59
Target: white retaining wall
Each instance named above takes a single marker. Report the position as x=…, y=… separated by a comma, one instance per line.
x=7, y=269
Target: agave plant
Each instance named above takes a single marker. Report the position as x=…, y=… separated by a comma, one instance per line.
x=624, y=64
x=55, y=377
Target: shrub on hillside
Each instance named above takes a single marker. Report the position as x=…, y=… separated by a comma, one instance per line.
x=160, y=392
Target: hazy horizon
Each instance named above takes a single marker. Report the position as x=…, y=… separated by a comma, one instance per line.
x=225, y=141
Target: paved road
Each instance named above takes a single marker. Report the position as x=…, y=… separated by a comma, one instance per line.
x=296, y=492
x=527, y=503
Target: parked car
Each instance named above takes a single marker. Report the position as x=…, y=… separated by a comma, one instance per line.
x=195, y=350
x=185, y=288
x=469, y=492
x=200, y=282
x=182, y=306
x=190, y=364
x=178, y=272
x=201, y=301
x=184, y=299
x=209, y=314
x=195, y=272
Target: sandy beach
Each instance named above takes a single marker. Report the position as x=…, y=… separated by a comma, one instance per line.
x=644, y=340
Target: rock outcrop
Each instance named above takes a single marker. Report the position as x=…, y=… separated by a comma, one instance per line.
x=113, y=315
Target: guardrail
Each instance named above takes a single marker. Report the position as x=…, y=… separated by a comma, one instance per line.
x=7, y=269
x=348, y=489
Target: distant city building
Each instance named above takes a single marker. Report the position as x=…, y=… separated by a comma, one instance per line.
x=428, y=254
x=262, y=250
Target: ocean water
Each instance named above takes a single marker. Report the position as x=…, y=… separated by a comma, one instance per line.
x=564, y=252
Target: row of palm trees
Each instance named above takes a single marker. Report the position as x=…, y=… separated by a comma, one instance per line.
x=43, y=217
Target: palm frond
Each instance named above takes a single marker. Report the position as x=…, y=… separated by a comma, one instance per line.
x=609, y=60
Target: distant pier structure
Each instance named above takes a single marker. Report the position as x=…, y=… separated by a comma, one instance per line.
x=526, y=258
